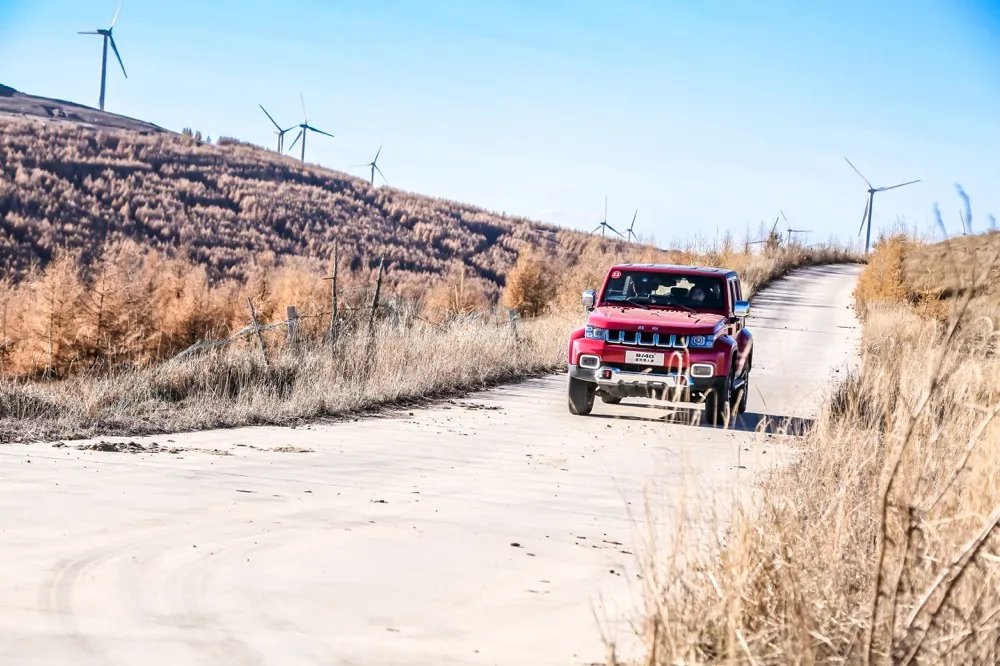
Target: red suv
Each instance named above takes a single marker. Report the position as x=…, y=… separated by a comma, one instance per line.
x=666, y=332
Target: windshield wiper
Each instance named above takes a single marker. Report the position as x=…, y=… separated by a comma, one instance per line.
x=678, y=305
x=638, y=304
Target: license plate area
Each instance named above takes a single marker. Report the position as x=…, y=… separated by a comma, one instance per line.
x=645, y=358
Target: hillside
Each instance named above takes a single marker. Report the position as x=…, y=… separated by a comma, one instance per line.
x=73, y=177
x=17, y=104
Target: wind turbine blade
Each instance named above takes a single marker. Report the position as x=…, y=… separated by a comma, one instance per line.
x=892, y=187
x=270, y=118
x=599, y=226
x=377, y=154
x=783, y=217
x=297, y=137
x=614, y=230
x=858, y=172
x=117, y=55
x=384, y=179
x=302, y=98
x=634, y=215
x=117, y=12
x=89, y=32
x=775, y=227
x=605, y=208
x=864, y=216
x=319, y=130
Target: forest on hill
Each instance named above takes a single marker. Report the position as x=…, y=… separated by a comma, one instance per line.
x=230, y=207
x=121, y=248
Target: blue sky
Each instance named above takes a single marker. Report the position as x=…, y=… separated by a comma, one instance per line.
x=706, y=116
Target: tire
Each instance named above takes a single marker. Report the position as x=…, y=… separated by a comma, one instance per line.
x=741, y=395
x=581, y=396
x=717, y=402
x=610, y=399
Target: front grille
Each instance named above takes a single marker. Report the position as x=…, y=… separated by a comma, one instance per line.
x=647, y=339
x=669, y=369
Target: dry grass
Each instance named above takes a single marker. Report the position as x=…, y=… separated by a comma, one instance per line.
x=404, y=362
x=133, y=307
x=881, y=542
x=415, y=355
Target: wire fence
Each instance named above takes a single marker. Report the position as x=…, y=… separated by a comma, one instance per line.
x=343, y=319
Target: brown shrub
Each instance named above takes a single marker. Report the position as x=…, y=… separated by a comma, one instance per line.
x=882, y=279
x=454, y=295
x=531, y=285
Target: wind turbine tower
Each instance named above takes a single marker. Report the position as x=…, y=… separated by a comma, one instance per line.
x=604, y=226
x=106, y=33
x=872, y=190
x=305, y=128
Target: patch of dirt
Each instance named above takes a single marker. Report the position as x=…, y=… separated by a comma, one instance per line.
x=477, y=406
x=22, y=105
x=124, y=447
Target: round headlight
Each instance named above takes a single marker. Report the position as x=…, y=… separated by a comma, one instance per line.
x=698, y=340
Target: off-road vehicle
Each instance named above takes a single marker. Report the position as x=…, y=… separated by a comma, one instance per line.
x=666, y=332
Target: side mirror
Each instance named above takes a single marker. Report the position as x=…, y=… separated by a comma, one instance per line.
x=741, y=309
x=589, y=298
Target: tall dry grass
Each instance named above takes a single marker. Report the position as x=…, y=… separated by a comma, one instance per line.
x=86, y=349
x=402, y=362
x=881, y=542
x=129, y=307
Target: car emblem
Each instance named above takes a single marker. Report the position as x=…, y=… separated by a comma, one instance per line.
x=615, y=275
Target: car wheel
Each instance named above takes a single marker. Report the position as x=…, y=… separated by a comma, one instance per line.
x=717, y=402
x=581, y=396
x=741, y=395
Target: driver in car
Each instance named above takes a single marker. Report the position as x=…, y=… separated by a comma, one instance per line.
x=697, y=297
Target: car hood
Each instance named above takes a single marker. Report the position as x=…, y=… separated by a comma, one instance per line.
x=677, y=321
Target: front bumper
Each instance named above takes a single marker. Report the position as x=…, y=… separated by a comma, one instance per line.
x=675, y=360
x=617, y=380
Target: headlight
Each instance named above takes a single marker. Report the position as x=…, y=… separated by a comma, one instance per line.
x=595, y=333
x=701, y=341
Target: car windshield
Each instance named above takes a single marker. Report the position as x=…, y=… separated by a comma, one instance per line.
x=650, y=289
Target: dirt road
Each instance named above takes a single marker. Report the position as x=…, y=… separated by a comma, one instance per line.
x=485, y=530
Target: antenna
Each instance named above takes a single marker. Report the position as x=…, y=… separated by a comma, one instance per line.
x=870, y=204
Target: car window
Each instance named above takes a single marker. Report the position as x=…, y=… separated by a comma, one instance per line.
x=665, y=289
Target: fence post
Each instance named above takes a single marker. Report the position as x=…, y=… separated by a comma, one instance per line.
x=333, y=298
x=378, y=290
x=512, y=317
x=293, y=326
x=256, y=329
